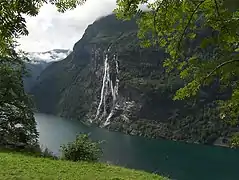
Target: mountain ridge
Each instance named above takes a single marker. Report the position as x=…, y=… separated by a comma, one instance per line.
x=38, y=61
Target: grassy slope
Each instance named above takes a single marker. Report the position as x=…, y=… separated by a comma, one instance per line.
x=18, y=166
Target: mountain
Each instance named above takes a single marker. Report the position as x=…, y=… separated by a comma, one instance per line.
x=48, y=56
x=109, y=80
x=38, y=62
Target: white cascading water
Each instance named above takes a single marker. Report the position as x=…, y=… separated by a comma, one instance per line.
x=106, y=84
x=114, y=91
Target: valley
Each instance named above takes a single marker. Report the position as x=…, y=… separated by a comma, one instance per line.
x=89, y=85
x=125, y=88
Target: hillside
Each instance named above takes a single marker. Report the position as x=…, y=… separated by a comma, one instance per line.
x=17, y=166
x=126, y=88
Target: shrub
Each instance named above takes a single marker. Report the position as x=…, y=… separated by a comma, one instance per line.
x=82, y=149
x=234, y=141
x=46, y=153
x=35, y=151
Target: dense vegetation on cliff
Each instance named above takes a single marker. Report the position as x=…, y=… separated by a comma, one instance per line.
x=72, y=88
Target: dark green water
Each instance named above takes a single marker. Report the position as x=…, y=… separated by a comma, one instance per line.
x=173, y=159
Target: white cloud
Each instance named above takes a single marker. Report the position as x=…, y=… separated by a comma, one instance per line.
x=53, y=30
x=49, y=56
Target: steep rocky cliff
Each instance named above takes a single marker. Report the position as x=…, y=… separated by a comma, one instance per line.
x=34, y=71
x=112, y=82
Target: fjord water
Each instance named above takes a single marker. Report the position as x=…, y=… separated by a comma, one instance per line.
x=173, y=159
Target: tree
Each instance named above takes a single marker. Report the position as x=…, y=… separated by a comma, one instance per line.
x=17, y=123
x=178, y=26
x=82, y=149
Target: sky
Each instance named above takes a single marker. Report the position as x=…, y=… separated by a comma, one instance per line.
x=53, y=30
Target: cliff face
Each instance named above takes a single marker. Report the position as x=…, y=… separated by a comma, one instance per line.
x=34, y=71
x=109, y=80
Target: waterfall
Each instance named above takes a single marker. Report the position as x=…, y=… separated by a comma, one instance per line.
x=114, y=91
x=104, y=82
x=108, y=86
x=117, y=75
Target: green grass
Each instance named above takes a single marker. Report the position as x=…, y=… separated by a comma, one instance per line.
x=21, y=167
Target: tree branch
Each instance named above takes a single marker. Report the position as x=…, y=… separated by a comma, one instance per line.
x=155, y=13
x=188, y=23
x=129, y=4
x=221, y=65
x=221, y=20
x=217, y=9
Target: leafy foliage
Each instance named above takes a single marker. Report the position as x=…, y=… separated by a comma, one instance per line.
x=13, y=23
x=176, y=26
x=82, y=149
x=234, y=142
x=17, y=124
